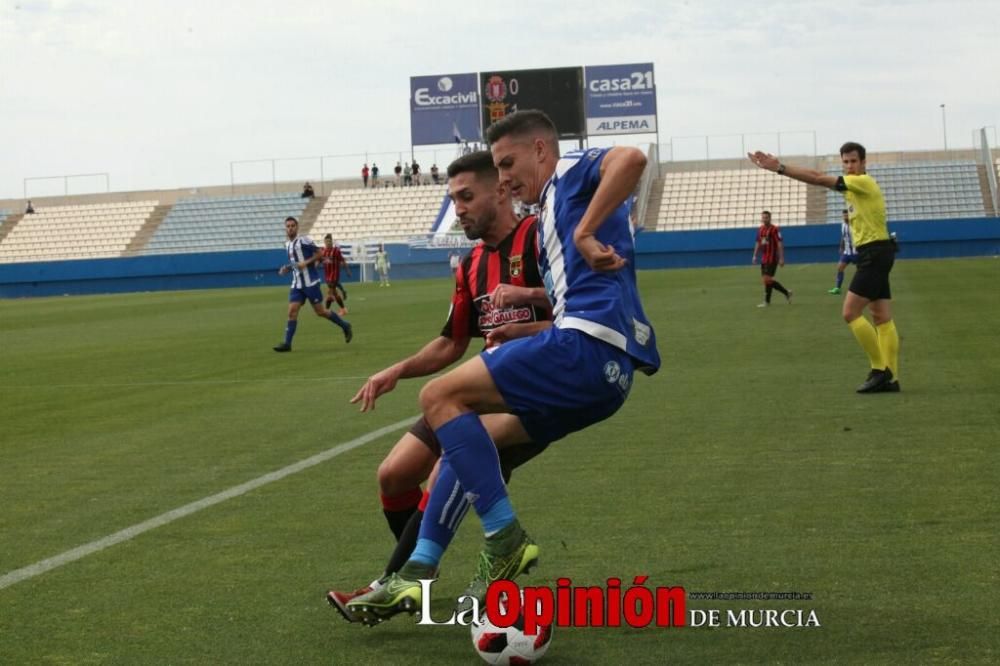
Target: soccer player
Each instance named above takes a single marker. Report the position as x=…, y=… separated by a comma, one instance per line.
x=876, y=254
x=569, y=376
x=498, y=296
x=772, y=255
x=847, y=253
x=382, y=266
x=333, y=259
x=303, y=255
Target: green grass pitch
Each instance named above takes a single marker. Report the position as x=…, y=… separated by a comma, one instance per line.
x=747, y=464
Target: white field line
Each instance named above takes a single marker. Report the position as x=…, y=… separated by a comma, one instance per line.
x=128, y=533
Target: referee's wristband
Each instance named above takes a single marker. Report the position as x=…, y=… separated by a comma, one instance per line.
x=781, y=170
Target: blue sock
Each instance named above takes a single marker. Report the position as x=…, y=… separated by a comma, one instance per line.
x=446, y=507
x=290, y=331
x=337, y=320
x=473, y=456
x=840, y=279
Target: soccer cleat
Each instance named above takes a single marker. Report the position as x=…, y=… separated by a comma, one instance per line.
x=788, y=297
x=876, y=381
x=508, y=554
x=834, y=291
x=348, y=333
x=890, y=387
x=763, y=305
x=283, y=348
x=339, y=601
x=400, y=593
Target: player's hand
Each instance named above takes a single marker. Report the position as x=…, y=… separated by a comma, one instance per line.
x=283, y=270
x=782, y=263
x=500, y=335
x=598, y=256
x=377, y=384
x=764, y=160
x=302, y=265
x=753, y=259
x=508, y=295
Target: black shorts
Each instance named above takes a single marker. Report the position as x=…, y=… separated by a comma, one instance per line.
x=769, y=269
x=510, y=457
x=875, y=261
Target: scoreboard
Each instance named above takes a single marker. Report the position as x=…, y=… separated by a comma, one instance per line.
x=558, y=92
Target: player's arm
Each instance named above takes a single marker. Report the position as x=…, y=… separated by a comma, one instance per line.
x=509, y=295
x=506, y=332
x=436, y=355
x=769, y=162
x=346, y=266
x=781, y=251
x=621, y=170
x=756, y=246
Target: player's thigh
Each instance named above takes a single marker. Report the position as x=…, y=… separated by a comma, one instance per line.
x=506, y=430
x=469, y=387
x=407, y=465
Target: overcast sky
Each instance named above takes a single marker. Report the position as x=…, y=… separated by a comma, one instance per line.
x=167, y=93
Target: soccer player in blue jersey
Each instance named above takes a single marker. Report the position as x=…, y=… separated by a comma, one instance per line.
x=303, y=259
x=570, y=376
x=847, y=253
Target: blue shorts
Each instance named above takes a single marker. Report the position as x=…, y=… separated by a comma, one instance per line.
x=849, y=259
x=313, y=294
x=560, y=381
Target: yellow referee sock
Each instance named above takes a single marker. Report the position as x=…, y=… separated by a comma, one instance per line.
x=888, y=343
x=868, y=339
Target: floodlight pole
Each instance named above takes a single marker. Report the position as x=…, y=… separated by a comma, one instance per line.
x=944, y=128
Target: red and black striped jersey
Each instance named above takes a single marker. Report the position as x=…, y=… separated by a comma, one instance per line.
x=332, y=256
x=769, y=238
x=514, y=261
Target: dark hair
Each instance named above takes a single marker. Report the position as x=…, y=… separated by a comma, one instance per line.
x=479, y=163
x=292, y=219
x=521, y=123
x=853, y=147
x=843, y=212
x=328, y=237
x=766, y=212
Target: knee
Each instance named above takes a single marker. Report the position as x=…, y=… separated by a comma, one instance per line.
x=432, y=395
x=390, y=481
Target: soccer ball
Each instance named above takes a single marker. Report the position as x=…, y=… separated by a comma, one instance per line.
x=509, y=645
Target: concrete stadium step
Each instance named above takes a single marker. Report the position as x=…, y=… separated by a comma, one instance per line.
x=8, y=224
x=147, y=230
x=309, y=215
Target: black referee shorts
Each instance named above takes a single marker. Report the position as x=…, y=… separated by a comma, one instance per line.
x=875, y=261
x=510, y=457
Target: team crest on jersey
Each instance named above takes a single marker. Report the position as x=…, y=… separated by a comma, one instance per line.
x=612, y=371
x=516, y=266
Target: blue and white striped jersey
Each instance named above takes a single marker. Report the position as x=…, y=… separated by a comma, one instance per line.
x=299, y=250
x=845, y=234
x=605, y=306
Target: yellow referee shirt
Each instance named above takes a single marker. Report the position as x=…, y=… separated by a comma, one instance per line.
x=865, y=207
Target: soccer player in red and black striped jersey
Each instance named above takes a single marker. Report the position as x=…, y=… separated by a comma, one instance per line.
x=772, y=255
x=333, y=259
x=498, y=296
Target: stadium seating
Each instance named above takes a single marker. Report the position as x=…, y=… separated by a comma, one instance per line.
x=922, y=190
x=728, y=198
x=75, y=232
x=393, y=213
x=225, y=223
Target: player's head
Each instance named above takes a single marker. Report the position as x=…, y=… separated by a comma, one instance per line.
x=765, y=218
x=852, y=158
x=328, y=240
x=291, y=227
x=845, y=215
x=525, y=147
x=475, y=188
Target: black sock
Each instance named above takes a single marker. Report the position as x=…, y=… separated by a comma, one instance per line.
x=767, y=294
x=406, y=541
x=777, y=285
x=398, y=520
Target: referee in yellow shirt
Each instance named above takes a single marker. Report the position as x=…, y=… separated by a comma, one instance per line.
x=876, y=254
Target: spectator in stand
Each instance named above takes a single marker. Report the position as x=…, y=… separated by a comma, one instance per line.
x=30, y=210
x=407, y=175
x=374, y=175
x=364, y=175
x=435, y=175
x=416, y=173
x=399, y=174
x=307, y=191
